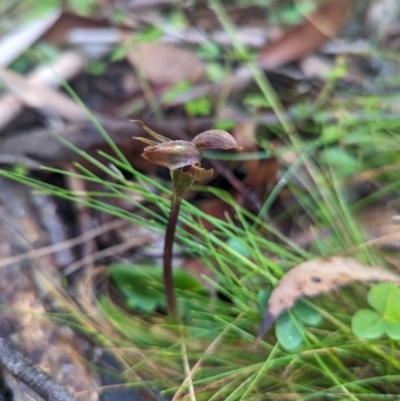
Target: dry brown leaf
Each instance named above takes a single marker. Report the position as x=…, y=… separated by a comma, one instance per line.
x=378, y=224
x=41, y=97
x=316, y=277
x=165, y=64
x=308, y=37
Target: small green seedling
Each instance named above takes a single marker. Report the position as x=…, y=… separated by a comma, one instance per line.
x=384, y=318
x=143, y=288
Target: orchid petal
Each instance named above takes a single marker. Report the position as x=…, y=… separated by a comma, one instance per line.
x=146, y=141
x=215, y=139
x=159, y=137
x=173, y=154
x=197, y=173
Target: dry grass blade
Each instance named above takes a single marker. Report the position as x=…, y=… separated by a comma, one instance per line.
x=48, y=250
x=210, y=349
x=187, y=371
x=110, y=251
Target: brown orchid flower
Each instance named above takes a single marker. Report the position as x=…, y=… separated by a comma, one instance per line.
x=183, y=159
x=185, y=155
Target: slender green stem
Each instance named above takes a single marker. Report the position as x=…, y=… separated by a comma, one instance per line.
x=168, y=246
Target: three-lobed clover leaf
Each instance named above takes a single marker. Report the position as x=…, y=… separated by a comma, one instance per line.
x=384, y=319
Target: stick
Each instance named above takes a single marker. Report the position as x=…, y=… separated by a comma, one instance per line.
x=35, y=378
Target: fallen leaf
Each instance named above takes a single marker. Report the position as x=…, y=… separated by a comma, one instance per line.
x=165, y=64
x=378, y=224
x=40, y=97
x=308, y=37
x=316, y=277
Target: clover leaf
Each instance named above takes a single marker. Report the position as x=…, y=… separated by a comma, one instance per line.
x=142, y=287
x=384, y=319
x=290, y=330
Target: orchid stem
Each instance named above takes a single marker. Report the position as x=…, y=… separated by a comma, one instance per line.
x=168, y=247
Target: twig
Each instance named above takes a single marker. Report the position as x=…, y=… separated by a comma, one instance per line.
x=48, y=250
x=21, y=160
x=35, y=378
x=110, y=251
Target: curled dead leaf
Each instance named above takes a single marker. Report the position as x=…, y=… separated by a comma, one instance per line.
x=316, y=277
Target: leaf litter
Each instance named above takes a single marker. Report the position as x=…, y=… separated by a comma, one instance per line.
x=161, y=66
x=316, y=277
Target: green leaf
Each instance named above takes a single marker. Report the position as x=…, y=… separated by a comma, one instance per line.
x=125, y=273
x=83, y=7
x=198, y=107
x=119, y=52
x=289, y=331
x=172, y=93
x=307, y=314
x=209, y=51
x=392, y=330
x=96, y=67
x=183, y=280
x=19, y=169
x=239, y=246
x=367, y=324
x=143, y=287
x=149, y=35
x=215, y=72
x=385, y=298
x=143, y=299
x=262, y=299
x=344, y=163
x=178, y=19
x=256, y=100
x=225, y=124
x=48, y=51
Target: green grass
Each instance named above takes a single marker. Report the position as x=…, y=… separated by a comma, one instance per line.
x=332, y=362
x=216, y=336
